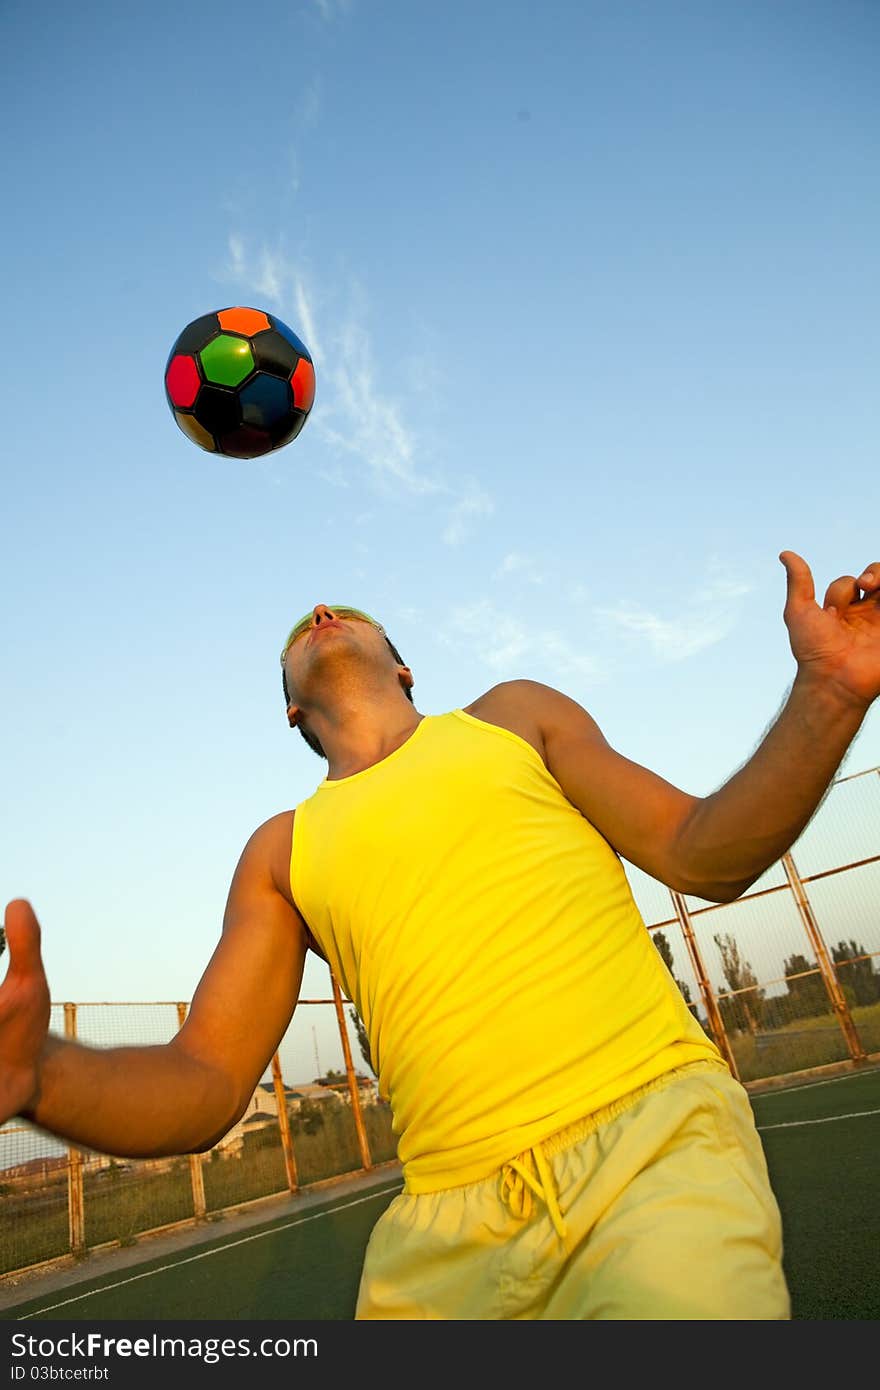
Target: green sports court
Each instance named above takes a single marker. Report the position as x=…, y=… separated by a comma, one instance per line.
x=297, y=1258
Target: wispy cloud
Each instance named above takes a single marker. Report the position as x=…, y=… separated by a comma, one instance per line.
x=353, y=414
x=585, y=651
x=515, y=562
x=671, y=639
x=310, y=103
x=511, y=647
x=474, y=502
x=704, y=620
x=359, y=418
x=329, y=9
x=265, y=273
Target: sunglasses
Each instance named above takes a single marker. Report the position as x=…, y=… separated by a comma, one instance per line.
x=340, y=610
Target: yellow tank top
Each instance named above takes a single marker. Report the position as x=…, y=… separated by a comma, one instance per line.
x=487, y=935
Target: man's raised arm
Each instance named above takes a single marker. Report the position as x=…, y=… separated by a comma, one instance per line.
x=716, y=846
x=179, y=1097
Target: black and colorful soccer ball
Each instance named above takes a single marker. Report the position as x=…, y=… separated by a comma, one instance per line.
x=239, y=382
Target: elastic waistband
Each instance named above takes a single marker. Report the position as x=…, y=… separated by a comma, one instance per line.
x=529, y=1174
x=573, y=1133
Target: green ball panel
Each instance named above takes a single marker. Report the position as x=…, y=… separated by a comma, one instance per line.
x=227, y=360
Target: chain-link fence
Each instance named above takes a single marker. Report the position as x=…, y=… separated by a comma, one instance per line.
x=785, y=979
x=57, y=1199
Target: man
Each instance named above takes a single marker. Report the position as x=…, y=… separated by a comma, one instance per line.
x=573, y=1144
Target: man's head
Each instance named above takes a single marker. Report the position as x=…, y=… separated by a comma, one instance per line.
x=309, y=644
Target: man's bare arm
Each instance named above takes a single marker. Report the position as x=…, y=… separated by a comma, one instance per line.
x=713, y=847
x=716, y=846
x=183, y=1096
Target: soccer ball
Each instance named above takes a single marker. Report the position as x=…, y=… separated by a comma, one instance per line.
x=239, y=382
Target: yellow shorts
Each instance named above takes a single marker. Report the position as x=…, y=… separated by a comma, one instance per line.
x=659, y=1207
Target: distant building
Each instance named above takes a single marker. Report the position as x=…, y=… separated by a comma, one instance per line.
x=262, y=1108
x=37, y=1170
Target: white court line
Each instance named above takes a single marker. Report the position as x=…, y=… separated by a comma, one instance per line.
x=218, y=1250
x=808, y=1085
x=301, y=1220
x=828, y=1120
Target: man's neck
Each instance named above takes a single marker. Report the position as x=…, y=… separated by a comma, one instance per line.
x=358, y=741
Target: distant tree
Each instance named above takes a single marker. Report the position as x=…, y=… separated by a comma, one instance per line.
x=260, y=1137
x=776, y=1012
x=663, y=946
x=807, y=995
x=363, y=1040
x=337, y=1081
x=859, y=975
x=731, y=1016
x=309, y=1116
x=744, y=1009
x=665, y=950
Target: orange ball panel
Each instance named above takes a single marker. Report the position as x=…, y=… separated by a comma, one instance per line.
x=242, y=320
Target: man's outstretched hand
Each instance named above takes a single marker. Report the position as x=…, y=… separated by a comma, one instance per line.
x=24, y=1011
x=839, y=642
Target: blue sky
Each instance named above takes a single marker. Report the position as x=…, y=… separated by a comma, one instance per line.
x=592, y=296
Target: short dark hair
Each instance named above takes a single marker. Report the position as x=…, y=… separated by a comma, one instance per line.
x=310, y=738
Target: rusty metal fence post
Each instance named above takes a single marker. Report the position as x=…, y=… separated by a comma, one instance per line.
x=284, y=1125
x=716, y=1023
x=196, y=1174
x=76, y=1220
x=366, y=1158
x=826, y=968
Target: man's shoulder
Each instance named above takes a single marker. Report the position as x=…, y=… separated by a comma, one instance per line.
x=269, y=849
x=519, y=694
x=273, y=831
x=272, y=844
x=517, y=705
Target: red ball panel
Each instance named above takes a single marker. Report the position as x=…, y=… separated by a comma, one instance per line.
x=182, y=381
x=303, y=385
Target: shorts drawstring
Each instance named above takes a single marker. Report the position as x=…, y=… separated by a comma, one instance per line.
x=518, y=1182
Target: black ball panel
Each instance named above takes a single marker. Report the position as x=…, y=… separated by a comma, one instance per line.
x=274, y=354
x=217, y=408
x=246, y=443
x=288, y=428
x=196, y=335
